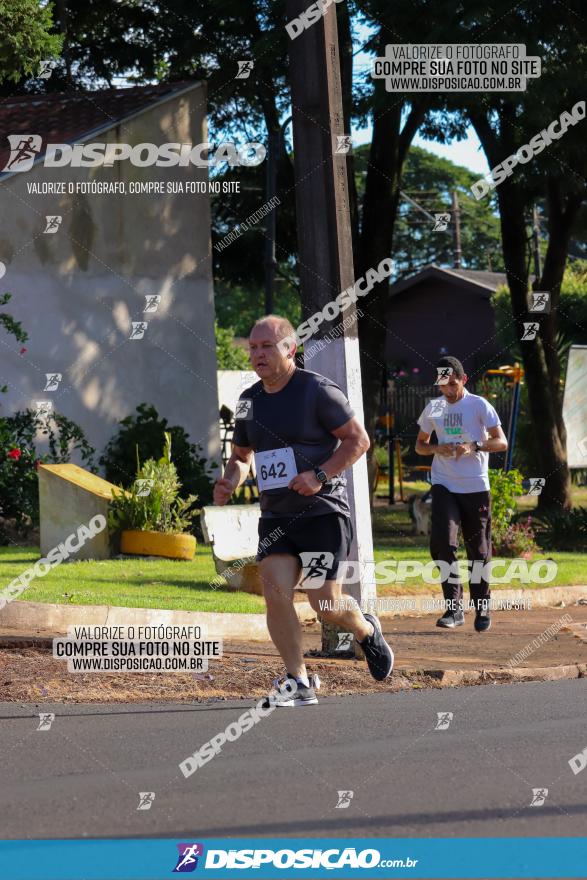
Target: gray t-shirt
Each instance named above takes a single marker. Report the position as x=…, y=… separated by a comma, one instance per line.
x=300, y=416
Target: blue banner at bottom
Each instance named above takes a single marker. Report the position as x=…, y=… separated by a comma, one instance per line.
x=280, y=857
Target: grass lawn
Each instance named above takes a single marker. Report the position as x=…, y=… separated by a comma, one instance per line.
x=134, y=583
x=393, y=539
x=149, y=583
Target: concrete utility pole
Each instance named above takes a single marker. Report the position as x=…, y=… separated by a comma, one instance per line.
x=325, y=251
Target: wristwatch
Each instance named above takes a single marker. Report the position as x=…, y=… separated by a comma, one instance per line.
x=478, y=446
x=320, y=475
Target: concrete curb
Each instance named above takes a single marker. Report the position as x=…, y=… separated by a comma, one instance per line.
x=549, y=597
x=442, y=678
x=505, y=675
x=29, y=616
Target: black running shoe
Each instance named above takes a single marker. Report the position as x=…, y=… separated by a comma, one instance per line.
x=450, y=619
x=289, y=693
x=482, y=619
x=378, y=654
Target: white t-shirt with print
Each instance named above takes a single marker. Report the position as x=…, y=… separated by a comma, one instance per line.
x=464, y=421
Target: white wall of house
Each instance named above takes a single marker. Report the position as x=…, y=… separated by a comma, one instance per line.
x=77, y=291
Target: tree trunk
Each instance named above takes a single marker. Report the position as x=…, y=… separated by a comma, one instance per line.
x=389, y=147
x=379, y=207
x=543, y=403
x=539, y=367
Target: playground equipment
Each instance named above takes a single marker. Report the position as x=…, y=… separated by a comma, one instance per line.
x=516, y=373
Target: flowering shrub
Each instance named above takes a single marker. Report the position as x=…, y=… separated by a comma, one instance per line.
x=19, y=460
x=518, y=539
x=505, y=486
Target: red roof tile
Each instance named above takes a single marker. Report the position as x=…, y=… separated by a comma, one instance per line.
x=65, y=117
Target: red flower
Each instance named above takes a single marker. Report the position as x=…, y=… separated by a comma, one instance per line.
x=22, y=351
x=14, y=454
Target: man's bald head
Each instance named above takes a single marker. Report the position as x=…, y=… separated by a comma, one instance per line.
x=272, y=348
x=282, y=326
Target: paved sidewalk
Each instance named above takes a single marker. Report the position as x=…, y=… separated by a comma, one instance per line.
x=426, y=656
x=419, y=644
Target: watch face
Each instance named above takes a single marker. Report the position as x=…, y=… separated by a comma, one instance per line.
x=321, y=476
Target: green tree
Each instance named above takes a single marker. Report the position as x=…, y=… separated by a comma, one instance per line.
x=228, y=355
x=25, y=38
x=109, y=38
x=430, y=181
x=504, y=123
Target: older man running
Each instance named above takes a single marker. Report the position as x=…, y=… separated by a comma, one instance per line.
x=304, y=435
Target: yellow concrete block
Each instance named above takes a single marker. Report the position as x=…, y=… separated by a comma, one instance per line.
x=146, y=543
x=82, y=478
x=70, y=496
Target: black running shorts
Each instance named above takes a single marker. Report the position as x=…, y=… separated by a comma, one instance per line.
x=324, y=540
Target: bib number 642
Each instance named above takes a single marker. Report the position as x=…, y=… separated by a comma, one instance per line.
x=274, y=471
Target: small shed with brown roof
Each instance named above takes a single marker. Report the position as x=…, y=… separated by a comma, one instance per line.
x=442, y=311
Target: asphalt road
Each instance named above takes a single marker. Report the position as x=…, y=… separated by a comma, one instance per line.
x=82, y=777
